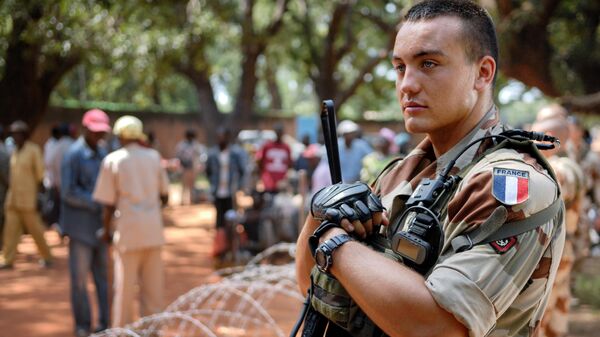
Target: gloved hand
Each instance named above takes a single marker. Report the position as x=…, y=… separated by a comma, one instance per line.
x=353, y=206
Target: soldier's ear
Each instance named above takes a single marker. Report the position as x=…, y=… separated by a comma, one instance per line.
x=486, y=68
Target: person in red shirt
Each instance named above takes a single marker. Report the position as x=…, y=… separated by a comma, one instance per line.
x=274, y=159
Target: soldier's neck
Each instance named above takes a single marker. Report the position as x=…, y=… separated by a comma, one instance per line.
x=447, y=137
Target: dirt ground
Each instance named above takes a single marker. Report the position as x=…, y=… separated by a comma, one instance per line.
x=35, y=301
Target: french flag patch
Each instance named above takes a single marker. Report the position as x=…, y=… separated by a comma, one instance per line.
x=511, y=187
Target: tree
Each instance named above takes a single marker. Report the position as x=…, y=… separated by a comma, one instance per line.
x=342, y=42
x=211, y=31
x=553, y=45
x=42, y=41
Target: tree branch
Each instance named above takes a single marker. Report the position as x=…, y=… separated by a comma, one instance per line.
x=368, y=67
x=549, y=7
x=587, y=103
x=329, y=57
x=247, y=24
x=516, y=30
x=57, y=67
x=200, y=78
x=348, y=36
x=384, y=26
x=505, y=7
x=277, y=23
x=308, y=32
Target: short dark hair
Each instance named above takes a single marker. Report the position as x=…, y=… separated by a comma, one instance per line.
x=190, y=133
x=224, y=130
x=478, y=26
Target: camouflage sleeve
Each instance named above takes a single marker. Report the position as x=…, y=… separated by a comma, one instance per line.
x=572, y=182
x=484, y=287
x=569, y=176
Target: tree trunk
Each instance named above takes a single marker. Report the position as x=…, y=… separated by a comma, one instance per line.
x=211, y=116
x=270, y=77
x=243, y=111
x=531, y=66
x=586, y=103
x=21, y=96
x=25, y=88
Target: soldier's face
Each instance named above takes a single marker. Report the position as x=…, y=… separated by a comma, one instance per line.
x=435, y=82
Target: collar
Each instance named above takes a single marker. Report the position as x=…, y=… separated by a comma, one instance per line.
x=488, y=125
x=132, y=145
x=87, y=150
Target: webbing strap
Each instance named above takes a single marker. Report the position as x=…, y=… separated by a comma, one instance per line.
x=488, y=228
x=494, y=228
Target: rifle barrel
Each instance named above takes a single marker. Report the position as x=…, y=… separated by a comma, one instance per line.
x=328, y=124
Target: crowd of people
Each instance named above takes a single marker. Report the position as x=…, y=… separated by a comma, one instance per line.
x=96, y=191
x=95, y=198
x=474, y=232
x=279, y=174
x=98, y=185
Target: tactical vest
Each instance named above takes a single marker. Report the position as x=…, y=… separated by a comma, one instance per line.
x=330, y=299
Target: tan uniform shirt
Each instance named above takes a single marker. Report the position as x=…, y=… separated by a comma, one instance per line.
x=495, y=289
x=572, y=186
x=26, y=173
x=132, y=180
x=556, y=317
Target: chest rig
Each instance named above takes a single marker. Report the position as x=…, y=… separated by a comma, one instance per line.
x=416, y=236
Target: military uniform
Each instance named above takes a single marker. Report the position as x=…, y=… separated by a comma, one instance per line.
x=556, y=318
x=500, y=288
x=590, y=166
x=591, y=202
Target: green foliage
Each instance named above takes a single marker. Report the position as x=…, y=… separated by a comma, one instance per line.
x=131, y=71
x=59, y=27
x=131, y=52
x=574, y=34
x=357, y=39
x=587, y=289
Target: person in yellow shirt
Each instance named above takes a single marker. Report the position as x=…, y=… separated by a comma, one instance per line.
x=26, y=174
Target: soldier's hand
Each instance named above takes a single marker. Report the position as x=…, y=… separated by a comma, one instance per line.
x=106, y=237
x=353, y=206
x=363, y=228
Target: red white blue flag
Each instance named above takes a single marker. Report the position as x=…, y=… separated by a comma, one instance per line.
x=511, y=187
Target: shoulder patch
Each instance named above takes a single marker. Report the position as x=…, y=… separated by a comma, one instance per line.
x=510, y=187
x=502, y=246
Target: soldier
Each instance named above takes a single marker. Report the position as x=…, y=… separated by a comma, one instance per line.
x=581, y=152
x=574, y=147
x=445, y=57
x=592, y=164
x=570, y=176
x=551, y=111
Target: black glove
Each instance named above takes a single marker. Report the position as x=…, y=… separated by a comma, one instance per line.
x=351, y=201
x=333, y=203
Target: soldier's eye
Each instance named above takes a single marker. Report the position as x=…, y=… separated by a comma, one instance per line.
x=429, y=64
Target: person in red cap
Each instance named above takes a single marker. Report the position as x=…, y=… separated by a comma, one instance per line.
x=81, y=218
